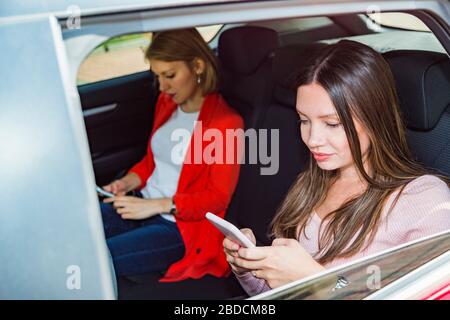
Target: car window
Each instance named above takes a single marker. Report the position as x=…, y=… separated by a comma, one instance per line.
x=305, y=29
x=404, y=36
x=398, y=20
x=209, y=32
x=367, y=276
x=295, y=25
x=115, y=57
x=124, y=55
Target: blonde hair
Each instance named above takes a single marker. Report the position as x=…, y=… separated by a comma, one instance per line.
x=186, y=45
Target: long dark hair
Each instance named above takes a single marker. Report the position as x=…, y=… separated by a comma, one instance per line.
x=360, y=84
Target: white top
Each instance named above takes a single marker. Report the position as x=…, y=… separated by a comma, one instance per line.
x=169, y=145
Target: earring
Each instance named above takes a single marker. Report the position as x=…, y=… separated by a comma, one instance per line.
x=199, y=80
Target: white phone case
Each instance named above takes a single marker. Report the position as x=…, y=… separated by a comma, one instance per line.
x=105, y=193
x=229, y=230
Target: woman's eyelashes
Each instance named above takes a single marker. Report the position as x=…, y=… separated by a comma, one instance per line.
x=333, y=125
x=167, y=76
x=328, y=124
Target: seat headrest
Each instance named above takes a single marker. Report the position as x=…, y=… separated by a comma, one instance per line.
x=243, y=49
x=423, y=85
x=288, y=61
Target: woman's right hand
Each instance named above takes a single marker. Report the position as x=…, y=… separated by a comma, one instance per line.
x=231, y=249
x=118, y=187
x=121, y=186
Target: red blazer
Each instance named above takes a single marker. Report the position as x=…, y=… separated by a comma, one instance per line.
x=201, y=188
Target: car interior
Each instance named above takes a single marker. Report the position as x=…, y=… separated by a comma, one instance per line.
x=257, y=60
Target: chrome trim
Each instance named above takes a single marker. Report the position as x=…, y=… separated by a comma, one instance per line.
x=418, y=283
x=98, y=110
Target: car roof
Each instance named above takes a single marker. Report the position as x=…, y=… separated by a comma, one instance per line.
x=22, y=8
x=60, y=8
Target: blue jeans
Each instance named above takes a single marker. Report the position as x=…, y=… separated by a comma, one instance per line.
x=141, y=246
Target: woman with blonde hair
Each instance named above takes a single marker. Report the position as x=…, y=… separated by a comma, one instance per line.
x=166, y=231
x=362, y=192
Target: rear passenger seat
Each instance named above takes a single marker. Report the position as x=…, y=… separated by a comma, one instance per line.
x=245, y=56
x=423, y=86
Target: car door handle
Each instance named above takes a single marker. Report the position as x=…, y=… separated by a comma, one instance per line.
x=98, y=110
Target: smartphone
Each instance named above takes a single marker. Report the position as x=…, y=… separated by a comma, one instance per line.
x=229, y=230
x=105, y=193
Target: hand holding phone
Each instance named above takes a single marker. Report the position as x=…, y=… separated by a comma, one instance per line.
x=105, y=193
x=229, y=230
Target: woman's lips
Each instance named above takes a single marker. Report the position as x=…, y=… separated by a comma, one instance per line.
x=321, y=156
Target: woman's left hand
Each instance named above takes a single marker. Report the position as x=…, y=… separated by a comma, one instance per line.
x=135, y=208
x=283, y=262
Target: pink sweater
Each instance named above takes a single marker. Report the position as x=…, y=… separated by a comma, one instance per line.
x=423, y=209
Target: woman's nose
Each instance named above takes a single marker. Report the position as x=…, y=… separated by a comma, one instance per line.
x=162, y=85
x=316, y=137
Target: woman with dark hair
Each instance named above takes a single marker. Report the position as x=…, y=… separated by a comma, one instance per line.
x=165, y=230
x=362, y=192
